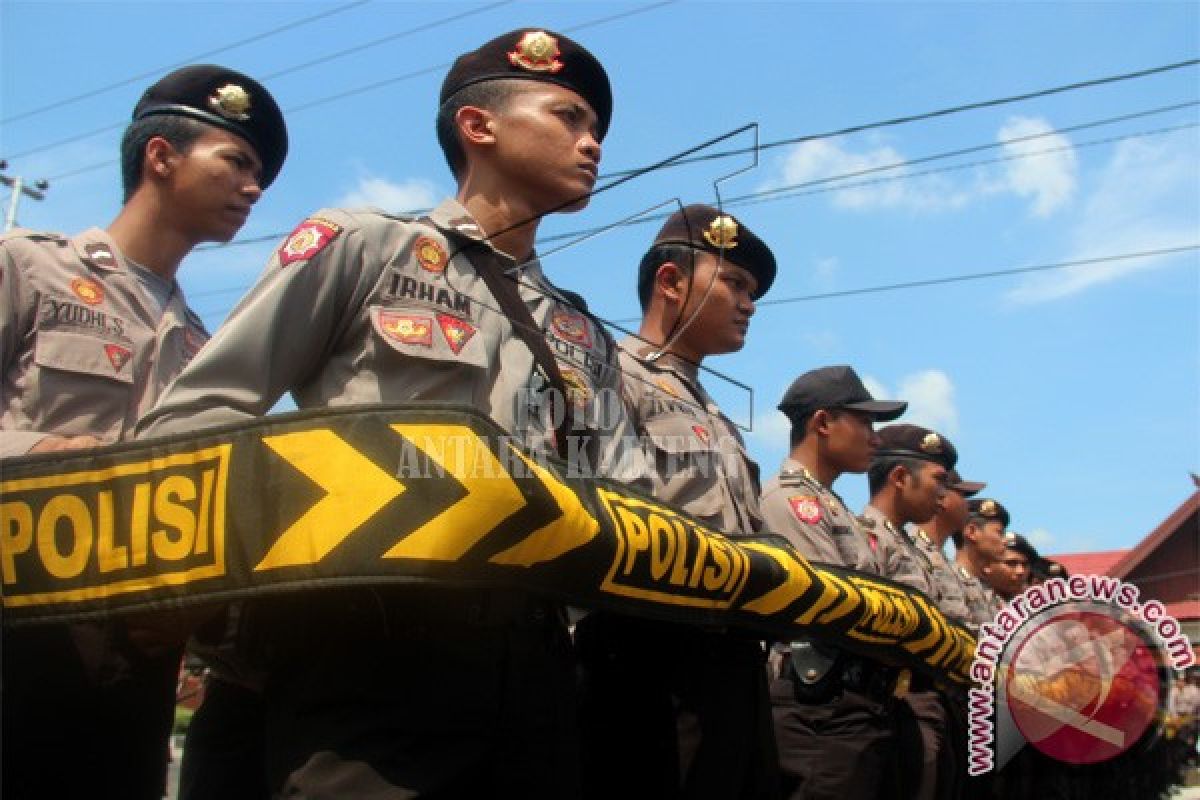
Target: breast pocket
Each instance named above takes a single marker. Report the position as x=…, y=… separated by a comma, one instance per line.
x=430, y=335
x=686, y=463
x=852, y=548
x=83, y=384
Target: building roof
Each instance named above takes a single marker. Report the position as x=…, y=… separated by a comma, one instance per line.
x=1157, y=536
x=1185, y=609
x=1097, y=563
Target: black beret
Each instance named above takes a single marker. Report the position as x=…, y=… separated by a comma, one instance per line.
x=965, y=488
x=535, y=55
x=913, y=441
x=988, y=509
x=835, y=387
x=710, y=229
x=1015, y=541
x=225, y=98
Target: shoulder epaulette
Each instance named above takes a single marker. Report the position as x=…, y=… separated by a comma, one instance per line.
x=37, y=236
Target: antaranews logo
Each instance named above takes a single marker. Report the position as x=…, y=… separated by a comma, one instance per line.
x=1076, y=667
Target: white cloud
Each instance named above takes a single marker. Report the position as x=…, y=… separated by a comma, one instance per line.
x=771, y=428
x=824, y=272
x=930, y=397
x=1147, y=197
x=1048, y=178
x=1041, y=538
x=409, y=195
x=817, y=160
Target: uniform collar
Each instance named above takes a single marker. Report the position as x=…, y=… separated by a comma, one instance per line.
x=453, y=217
x=98, y=250
x=871, y=512
x=793, y=467
x=667, y=362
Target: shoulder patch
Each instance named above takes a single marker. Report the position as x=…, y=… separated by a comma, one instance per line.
x=309, y=238
x=571, y=325
x=806, y=507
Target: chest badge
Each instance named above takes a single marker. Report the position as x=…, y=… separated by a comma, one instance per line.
x=456, y=331
x=806, y=507
x=88, y=291
x=407, y=328
x=430, y=255
x=571, y=326
x=702, y=433
x=117, y=356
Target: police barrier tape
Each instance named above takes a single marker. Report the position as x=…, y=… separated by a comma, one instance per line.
x=419, y=494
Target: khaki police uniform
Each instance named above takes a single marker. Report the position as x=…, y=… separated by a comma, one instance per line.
x=833, y=711
x=952, y=600
x=83, y=353
x=674, y=710
x=465, y=688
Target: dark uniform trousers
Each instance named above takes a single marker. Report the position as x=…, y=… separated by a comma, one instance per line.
x=223, y=753
x=841, y=748
x=673, y=711
x=402, y=692
x=100, y=729
x=930, y=763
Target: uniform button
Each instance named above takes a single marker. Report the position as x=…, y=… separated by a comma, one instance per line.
x=811, y=675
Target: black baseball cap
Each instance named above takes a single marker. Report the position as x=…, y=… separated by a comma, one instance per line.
x=536, y=55
x=714, y=231
x=835, y=387
x=1015, y=541
x=227, y=99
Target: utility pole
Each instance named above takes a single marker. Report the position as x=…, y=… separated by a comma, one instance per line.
x=37, y=192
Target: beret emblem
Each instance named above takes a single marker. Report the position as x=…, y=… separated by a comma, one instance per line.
x=722, y=232
x=231, y=102
x=537, y=51
x=932, y=444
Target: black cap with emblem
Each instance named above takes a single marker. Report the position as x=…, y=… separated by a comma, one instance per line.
x=714, y=231
x=1017, y=542
x=988, y=509
x=913, y=441
x=835, y=387
x=536, y=55
x=227, y=99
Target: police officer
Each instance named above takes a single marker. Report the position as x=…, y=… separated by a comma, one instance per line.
x=92, y=329
x=407, y=691
x=978, y=546
x=1010, y=575
x=672, y=710
x=833, y=711
x=930, y=538
x=907, y=481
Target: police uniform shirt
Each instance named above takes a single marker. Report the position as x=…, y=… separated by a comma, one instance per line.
x=952, y=600
x=699, y=458
x=816, y=521
x=982, y=603
x=898, y=556
x=360, y=306
x=85, y=351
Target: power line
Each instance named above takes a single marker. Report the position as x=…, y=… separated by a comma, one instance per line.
x=975, y=276
x=794, y=190
x=191, y=60
x=342, y=94
x=943, y=112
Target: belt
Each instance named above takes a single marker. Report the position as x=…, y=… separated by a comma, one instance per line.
x=873, y=679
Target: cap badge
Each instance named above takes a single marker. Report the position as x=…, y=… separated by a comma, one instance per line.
x=988, y=508
x=537, y=51
x=932, y=444
x=722, y=232
x=1010, y=539
x=231, y=102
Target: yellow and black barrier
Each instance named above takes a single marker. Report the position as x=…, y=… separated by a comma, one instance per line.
x=418, y=494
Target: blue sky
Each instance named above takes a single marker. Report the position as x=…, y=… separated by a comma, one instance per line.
x=1074, y=393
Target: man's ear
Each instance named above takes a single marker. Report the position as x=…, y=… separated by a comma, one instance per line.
x=159, y=158
x=475, y=125
x=899, y=476
x=819, y=422
x=670, y=281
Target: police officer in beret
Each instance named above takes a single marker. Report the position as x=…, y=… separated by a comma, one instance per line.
x=930, y=538
x=979, y=545
x=833, y=710
x=907, y=481
x=1010, y=575
x=409, y=690
x=92, y=329
x=673, y=710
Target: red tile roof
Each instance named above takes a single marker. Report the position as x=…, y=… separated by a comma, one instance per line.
x=1097, y=563
x=1184, y=609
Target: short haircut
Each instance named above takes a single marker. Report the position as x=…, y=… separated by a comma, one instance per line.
x=799, y=430
x=680, y=255
x=877, y=473
x=180, y=131
x=489, y=95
